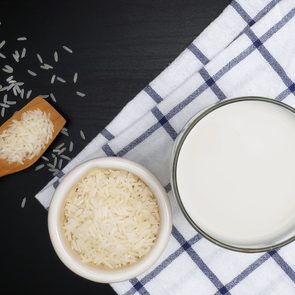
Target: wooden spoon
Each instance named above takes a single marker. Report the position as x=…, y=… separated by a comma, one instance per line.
x=58, y=123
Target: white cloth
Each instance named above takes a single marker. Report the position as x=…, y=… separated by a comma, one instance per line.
x=248, y=50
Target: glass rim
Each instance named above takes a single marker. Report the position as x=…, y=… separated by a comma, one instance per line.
x=175, y=155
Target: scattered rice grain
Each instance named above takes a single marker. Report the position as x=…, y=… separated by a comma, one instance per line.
x=60, y=79
x=17, y=88
x=2, y=43
x=9, y=87
x=82, y=135
x=39, y=167
x=59, y=146
x=64, y=131
x=56, y=172
x=28, y=94
x=23, y=53
x=32, y=73
x=48, y=67
x=2, y=55
x=23, y=203
x=7, y=69
x=11, y=102
x=16, y=57
x=55, y=56
x=45, y=158
x=2, y=112
x=71, y=146
x=75, y=78
x=80, y=93
x=65, y=157
x=52, y=79
x=21, y=39
x=50, y=165
x=61, y=151
x=60, y=164
x=52, y=97
x=39, y=58
x=66, y=48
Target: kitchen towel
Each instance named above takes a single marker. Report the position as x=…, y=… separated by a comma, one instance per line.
x=248, y=50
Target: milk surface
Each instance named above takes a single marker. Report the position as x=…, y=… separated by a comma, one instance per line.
x=236, y=173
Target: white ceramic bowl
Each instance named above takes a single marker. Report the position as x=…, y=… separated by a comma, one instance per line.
x=71, y=259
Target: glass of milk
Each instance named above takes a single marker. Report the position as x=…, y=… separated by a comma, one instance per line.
x=233, y=173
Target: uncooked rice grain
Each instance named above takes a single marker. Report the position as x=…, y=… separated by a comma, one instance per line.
x=75, y=78
x=22, y=39
x=2, y=43
x=66, y=48
x=47, y=66
x=25, y=138
x=71, y=146
x=111, y=218
x=52, y=97
x=23, y=53
x=28, y=94
x=39, y=58
x=64, y=131
x=50, y=165
x=32, y=73
x=60, y=79
x=7, y=69
x=45, y=158
x=55, y=56
x=61, y=151
x=65, y=157
x=54, y=162
x=52, y=79
x=11, y=102
x=60, y=145
x=82, y=134
x=23, y=203
x=80, y=93
x=39, y=167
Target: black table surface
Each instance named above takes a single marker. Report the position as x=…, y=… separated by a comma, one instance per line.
x=118, y=47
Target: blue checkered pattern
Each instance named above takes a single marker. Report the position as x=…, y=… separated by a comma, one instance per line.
x=248, y=50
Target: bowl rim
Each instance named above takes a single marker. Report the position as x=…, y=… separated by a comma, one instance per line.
x=124, y=273
x=176, y=151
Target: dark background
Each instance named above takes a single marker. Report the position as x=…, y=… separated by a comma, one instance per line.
x=119, y=46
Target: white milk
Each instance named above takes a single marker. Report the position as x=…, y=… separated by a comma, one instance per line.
x=236, y=173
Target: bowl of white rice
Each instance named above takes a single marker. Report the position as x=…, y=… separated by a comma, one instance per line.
x=109, y=220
